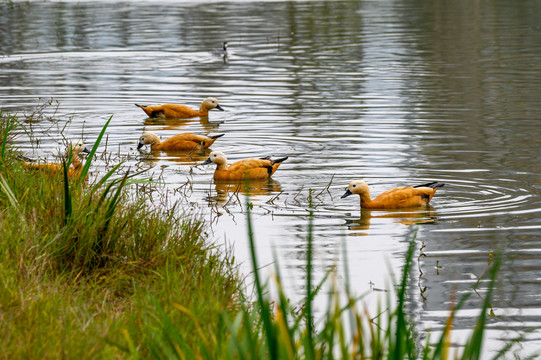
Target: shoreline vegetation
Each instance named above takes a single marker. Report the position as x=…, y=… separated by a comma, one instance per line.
x=93, y=271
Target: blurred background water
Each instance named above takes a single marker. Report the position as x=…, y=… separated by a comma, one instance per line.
x=392, y=92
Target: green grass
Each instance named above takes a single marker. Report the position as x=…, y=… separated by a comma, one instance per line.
x=91, y=271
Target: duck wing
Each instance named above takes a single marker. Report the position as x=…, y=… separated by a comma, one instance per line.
x=250, y=164
x=403, y=197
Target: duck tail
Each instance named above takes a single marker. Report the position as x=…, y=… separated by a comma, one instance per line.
x=434, y=185
x=141, y=106
x=215, y=136
x=277, y=161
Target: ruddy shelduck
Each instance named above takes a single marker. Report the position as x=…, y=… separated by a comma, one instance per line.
x=75, y=148
x=220, y=52
x=402, y=197
x=185, y=141
x=254, y=169
x=181, y=111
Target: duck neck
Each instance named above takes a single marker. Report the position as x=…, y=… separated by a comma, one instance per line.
x=155, y=141
x=365, y=198
x=222, y=166
x=203, y=109
x=75, y=161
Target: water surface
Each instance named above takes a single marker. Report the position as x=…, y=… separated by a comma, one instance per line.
x=395, y=93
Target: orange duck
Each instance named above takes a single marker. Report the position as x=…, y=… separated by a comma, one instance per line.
x=181, y=111
x=254, y=169
x=53, y=169
x=185, y=141
x=401, y=197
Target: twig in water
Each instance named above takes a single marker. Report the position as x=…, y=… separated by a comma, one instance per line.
x=422, y=290
x=295, y=197
x=326, y=187
x=271, y=200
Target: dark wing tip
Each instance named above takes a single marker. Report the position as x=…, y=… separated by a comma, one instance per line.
x=432, y=185
x=280, y=160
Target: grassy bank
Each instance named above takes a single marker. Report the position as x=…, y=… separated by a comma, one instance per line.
x=90, y=272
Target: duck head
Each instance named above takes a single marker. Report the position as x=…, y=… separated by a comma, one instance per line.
x=356, y=187
x=147, y=138
x=216, y=157
x=211, y=103
x=76, y=147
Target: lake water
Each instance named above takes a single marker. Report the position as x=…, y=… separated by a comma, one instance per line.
x=391, y=92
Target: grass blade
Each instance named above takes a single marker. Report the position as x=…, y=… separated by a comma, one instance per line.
x=88, y=161
x=309, y=316
x=7, y=190
x=67, y=194
x=263, y=304
x=473, y=348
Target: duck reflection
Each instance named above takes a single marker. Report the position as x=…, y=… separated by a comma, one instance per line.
x=255, y=188
x=182, y=157
x=402, y=216
x=176, y=124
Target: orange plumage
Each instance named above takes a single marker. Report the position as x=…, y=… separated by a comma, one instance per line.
x=181, y=111
x=254, y=169
x=53, y=169
x=402, y=197
x=185, y=141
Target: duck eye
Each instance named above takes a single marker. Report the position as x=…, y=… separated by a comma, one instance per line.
x=354, y=186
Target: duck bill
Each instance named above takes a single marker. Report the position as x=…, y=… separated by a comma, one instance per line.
x=347, y=193
x=219, y=108
x=85, y=150
x=206, y=162
x=140, y=145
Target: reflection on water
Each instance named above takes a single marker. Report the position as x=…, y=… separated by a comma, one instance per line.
x=176, y=124
x=182, y=157
x=402, y=216
x=255, y=189
x=391, y=92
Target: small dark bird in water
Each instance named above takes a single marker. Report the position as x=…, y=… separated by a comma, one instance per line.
x=220, y=52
